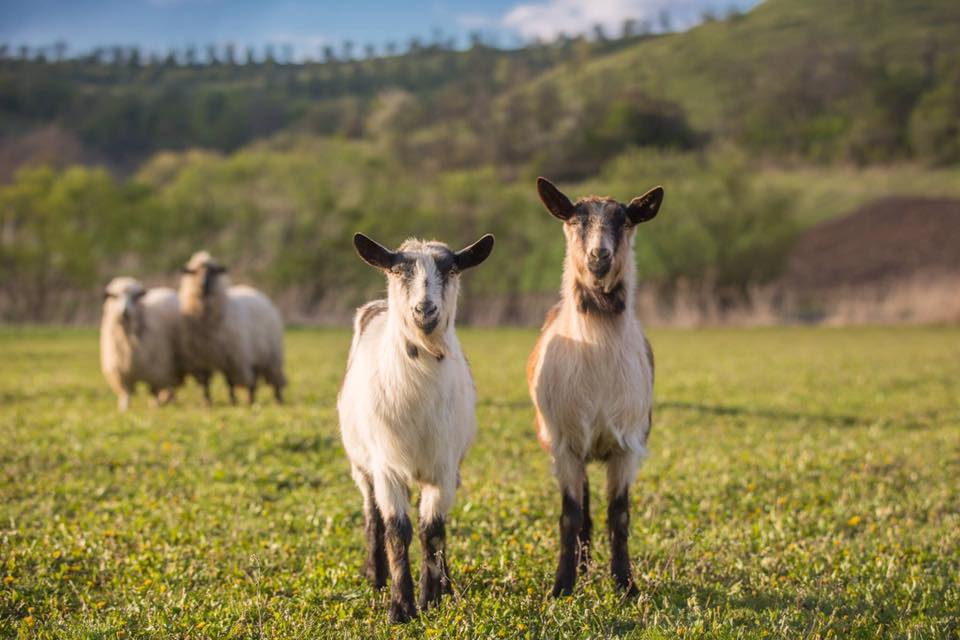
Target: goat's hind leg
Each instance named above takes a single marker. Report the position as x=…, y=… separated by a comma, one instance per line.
x=586, y=530
x=375, y=566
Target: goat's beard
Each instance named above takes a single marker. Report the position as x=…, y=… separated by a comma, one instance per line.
x=433, y=343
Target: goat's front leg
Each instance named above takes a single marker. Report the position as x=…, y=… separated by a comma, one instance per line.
x=621, y=471
x=571, y=472
x=435, y=502
x=391, y=496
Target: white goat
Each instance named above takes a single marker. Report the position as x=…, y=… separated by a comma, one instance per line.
x=591, y=374
x=138, y=340
x=407, y=411
x=233, y=329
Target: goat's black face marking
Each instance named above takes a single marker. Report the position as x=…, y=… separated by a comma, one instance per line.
x=595, y=301
x=405, y=269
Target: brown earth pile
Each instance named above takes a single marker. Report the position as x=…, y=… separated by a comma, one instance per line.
x=886, y=241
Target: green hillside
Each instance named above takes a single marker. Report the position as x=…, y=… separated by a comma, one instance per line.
x=757, y=125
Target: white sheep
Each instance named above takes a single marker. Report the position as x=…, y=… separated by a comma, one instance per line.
x=138, y=340
x=232, y=329
x=591, y=373
x=407, y=411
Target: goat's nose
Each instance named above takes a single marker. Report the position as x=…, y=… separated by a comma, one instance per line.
x=600, y=253
x=425, y=308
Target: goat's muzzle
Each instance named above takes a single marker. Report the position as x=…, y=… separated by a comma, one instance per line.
x=599, y=266
x=426, y=316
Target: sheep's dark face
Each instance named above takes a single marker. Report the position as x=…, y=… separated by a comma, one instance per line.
x=121, y=300
x=202, y=275
x=599, y=232
x=423, y=278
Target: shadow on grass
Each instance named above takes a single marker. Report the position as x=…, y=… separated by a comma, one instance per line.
x=838, y=419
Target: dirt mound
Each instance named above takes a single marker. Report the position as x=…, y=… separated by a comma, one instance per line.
x=885, y=241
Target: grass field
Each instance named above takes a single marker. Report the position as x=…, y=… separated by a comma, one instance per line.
x=802, y=483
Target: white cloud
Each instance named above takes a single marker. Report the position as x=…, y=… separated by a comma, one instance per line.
x=549, y=18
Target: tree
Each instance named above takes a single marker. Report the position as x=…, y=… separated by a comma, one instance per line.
x=935, y=125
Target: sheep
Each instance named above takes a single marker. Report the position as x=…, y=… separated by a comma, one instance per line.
x=233, y=329
x=406, y=411
x=591, y=372
x=138, y=340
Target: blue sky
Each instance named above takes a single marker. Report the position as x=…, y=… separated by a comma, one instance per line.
x=308, y=25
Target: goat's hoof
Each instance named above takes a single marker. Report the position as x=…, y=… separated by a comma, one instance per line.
x=378, y=582
x=401, y=612
x=429, y=602
x=628, y=589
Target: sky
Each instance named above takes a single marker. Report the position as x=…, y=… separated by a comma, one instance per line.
x=307, y=26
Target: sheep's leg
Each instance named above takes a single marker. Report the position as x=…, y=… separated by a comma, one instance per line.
x=391, y=496
x=203, y=378
x=375, y=567
x=278, y=393
x=621, y=470
x=123, y=400
x=165, y=396
x=570, y=471
x=435, y=502
x=252, y=391
x=586, y=531
x=232, y=389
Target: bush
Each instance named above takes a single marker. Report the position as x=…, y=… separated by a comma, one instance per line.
x=935, y=125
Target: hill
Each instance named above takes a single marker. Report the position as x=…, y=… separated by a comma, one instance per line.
x=868, y=81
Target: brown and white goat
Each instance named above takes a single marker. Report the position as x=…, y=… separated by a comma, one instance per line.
x=591, y=373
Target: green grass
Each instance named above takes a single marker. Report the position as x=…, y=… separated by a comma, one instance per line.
x=802, y=482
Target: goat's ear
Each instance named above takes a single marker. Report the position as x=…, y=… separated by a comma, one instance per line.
x=645, y=207
x=554, y=200
x=474, y=254
x=373, y=253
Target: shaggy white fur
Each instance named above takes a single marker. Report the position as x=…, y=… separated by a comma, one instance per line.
x=138, y=340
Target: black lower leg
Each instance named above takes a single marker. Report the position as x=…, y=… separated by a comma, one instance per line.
x=434, y=580
x=618, y=528
x=571, y=520
x=375, y=567
x=232, y=389
x=397, y=535
x=204, y=380
x=586, y=531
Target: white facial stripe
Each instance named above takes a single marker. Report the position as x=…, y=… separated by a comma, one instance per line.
x=426, y=283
